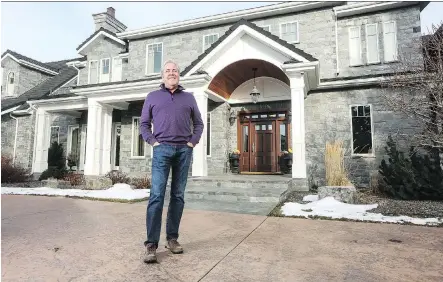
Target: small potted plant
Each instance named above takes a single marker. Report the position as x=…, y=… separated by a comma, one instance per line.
x=234, y=160
x=285, y=161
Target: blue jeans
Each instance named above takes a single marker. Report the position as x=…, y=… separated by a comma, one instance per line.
x=166, y=157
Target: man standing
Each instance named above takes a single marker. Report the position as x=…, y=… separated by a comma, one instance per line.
x=172, y=112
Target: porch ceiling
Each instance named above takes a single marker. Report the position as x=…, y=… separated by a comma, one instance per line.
x=233, y=75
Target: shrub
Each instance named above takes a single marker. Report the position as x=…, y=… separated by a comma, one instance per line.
x=75, y=179
x=12, y=173
x=141, y=183
x=336, y=174
x=56, y=163
x=118, y=177
x=415, y=176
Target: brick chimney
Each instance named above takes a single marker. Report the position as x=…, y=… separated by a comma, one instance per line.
x=108, y=21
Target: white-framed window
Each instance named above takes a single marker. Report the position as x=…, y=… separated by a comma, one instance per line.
x=354, y=46
x=208, y=135
x=372, y=49
x=154, y=58
x=362, y=130
x=105, y=70
x=290, y=32
x=138, y=144
x=93, y=72
x=390, y=41
x=55, y=135
x=209, y=39
x=10, y=84
x=117, y=68
x=266, y=27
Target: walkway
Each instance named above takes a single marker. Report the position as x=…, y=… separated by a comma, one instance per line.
x=48, y=238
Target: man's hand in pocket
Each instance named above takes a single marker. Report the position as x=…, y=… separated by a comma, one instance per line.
x=190, y=144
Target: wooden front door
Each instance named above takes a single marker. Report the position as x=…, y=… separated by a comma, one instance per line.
x=262, y=137
x=263, y=146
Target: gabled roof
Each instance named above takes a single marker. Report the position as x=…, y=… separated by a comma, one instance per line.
x=41, y=90
x=62, y=64
x=253, y=26
x=101, y=31
x=29, y=62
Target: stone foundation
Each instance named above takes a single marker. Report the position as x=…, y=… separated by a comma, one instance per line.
x=97, y=182
x=345, y=194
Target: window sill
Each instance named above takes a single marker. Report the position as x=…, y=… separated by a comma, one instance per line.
x=363, y=156
x=137, y=158
x=152, y=74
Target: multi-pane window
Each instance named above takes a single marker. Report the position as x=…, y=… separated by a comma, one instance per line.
x=138, y=144
x=208, y=40
x=354, y=46
x=289, y=32
x=10, y=84
x=117, y=69
x=361, y=129
x=154, y=58
x=104, y=69
x=372, y=55
x=390, y=41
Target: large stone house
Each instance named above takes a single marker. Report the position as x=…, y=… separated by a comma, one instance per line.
x=316, y=66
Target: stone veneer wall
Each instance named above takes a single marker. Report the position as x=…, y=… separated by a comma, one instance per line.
x=219, y=136
x=328, y=118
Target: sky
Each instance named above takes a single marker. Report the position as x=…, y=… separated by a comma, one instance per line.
x=51, y=31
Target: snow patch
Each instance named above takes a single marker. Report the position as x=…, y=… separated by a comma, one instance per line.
x=310, y=198
x=329, y=207
x=118, y=191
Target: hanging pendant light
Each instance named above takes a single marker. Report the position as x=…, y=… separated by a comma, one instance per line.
x=254, y=93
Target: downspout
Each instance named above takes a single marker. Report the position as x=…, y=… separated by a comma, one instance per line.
x=337, y=71
x=15, y=138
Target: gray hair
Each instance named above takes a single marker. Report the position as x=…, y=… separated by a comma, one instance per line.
x=170, y=62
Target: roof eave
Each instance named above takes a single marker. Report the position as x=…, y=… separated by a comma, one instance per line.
x=362, y=8
x=227, y=18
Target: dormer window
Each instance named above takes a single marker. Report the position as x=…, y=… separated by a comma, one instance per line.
x=105, y=69
x=10, y=84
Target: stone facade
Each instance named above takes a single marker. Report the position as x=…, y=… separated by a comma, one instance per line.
x=25, y=78
x=218, y=138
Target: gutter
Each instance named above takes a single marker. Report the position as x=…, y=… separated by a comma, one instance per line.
x=15, y=138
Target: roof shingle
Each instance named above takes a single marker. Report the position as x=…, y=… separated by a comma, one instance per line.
x=29, y=60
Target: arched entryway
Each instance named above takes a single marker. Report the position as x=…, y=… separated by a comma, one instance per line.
x=261, y=129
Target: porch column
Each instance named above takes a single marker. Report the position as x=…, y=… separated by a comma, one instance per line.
x=41, y=141
x=98, y=140
x=200, y=162
x=297, y=85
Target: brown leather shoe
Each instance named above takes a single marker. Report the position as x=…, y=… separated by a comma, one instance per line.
x=174, y=246
x=150, y=253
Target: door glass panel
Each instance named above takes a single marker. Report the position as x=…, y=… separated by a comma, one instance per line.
x=272, y=115
x=257, y=127
x=269, y=126
x=281, y=115
x=263, y=127
x=117, y=145
x=283, y=144
x=263, y=116
x=254, y=116
x=245, y=138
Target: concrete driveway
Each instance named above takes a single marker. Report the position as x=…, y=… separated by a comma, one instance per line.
x=60, y=239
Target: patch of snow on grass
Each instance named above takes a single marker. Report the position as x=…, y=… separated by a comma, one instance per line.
x=329, y=207
x=118, y=191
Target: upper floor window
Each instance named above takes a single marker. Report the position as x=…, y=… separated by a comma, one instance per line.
x=154, y=58
x=93, y=72
x=10, y=85
x=372, y=53
x=117, y=69
x=390, y=41
x=362, y=134
x=208, y=40
x=105, y=69
x=354, y=46
x=289, y=32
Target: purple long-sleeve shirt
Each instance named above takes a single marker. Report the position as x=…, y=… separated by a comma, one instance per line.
x=172, y=115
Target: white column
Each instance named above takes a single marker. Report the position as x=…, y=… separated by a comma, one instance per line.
x=41, y=141
x=98, y=139
x=298, y=125
x=200, y=162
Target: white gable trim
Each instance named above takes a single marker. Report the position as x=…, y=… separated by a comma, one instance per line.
x=360, y=8
x=26, y=63
x=240, y=31
x=9, y=110
x=101, y=33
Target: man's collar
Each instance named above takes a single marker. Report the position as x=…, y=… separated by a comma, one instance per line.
x=179, y=87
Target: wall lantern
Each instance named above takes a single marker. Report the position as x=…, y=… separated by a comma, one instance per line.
x=254, y=93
